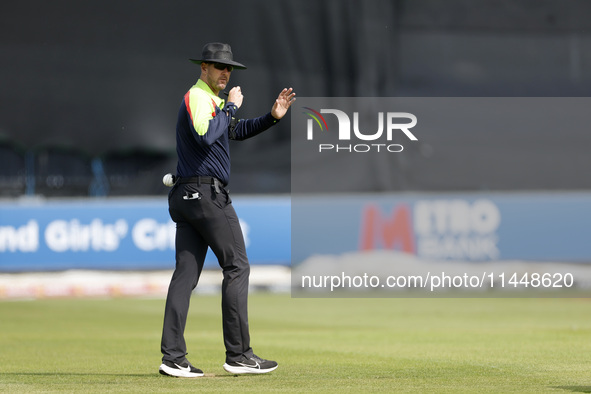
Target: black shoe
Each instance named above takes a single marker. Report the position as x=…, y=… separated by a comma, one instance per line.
x=182, y=370
x=253, y=364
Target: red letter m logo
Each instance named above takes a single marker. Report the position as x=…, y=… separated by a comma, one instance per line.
x=389, y=233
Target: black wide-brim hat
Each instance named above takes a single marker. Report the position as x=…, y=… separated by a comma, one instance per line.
x=217, y=52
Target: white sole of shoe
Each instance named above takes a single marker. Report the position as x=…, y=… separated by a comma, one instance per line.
x=166, y=370
x=241, y=370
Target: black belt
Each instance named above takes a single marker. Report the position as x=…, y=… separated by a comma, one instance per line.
x=199, y=179
x=217, y=184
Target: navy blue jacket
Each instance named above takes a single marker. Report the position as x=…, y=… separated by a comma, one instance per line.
x=203, y=149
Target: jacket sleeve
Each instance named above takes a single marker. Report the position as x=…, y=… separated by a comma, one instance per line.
x=247, y=128
x=208, y=121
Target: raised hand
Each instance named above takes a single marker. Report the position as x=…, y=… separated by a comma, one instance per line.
x=283, y=102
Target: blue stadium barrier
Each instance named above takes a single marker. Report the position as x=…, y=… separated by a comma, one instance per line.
x=475, y=227
x=137, y=234
x=124, y=234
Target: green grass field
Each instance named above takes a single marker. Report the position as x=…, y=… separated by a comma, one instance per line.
x=322, y=345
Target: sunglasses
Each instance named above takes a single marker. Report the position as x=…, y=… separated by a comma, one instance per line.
x=221, y=67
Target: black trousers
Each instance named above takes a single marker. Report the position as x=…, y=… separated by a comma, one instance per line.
x=205, y=217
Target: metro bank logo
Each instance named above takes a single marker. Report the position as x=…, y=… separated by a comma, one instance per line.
x=434, y=229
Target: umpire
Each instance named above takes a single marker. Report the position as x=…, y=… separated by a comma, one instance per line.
x=201, y=207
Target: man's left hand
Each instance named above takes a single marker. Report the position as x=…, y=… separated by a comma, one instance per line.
x=283, y=102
